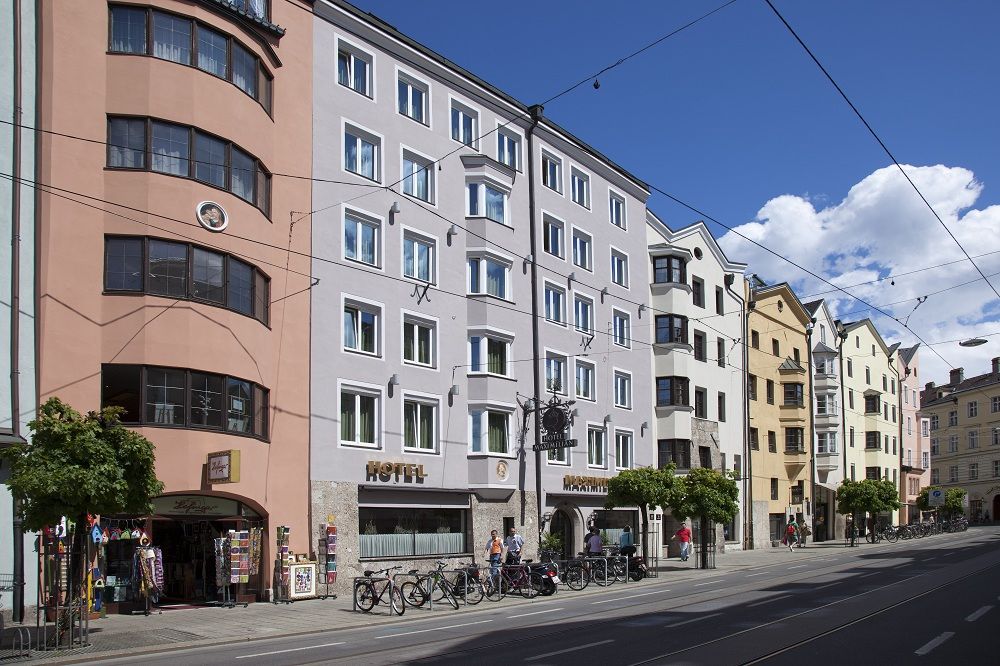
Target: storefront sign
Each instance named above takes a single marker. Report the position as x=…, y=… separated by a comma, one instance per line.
x=555, y=420
x=585, y=483
x=194, y=505
x=385, y=471
x=224, y=467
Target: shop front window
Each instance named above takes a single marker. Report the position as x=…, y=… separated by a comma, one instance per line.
x=402, y=532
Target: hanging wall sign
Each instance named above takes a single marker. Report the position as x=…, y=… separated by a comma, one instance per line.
x=194, y=505
x=555, y=419
x=212, y=216
x=224, y=467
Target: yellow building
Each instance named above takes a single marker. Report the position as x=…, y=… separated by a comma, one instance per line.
x=870, y=385
x=779, y=396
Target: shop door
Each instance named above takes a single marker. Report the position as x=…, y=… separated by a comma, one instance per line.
x=996, y=508
x=562, y=525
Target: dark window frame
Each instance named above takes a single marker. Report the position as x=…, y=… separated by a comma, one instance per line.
x=797, y=398
x=257, y=393
x=264, y=93
x=697, y=291
x=675, y=324
x=677, y=451
x=703, y=412
x=795, y=441
x=262, y=317
x=678, y=392
x=675, y=267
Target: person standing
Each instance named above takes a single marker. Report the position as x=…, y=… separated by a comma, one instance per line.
x=626, y=542
x=594, y=545
x=494, y=547
x=804, y=531
x=513, y=544
x=684, y=536
x=791, y=533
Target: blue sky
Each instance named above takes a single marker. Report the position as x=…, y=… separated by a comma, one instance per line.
x=731, y=114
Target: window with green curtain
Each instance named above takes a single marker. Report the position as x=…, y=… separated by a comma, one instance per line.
x=497, y=430
x=496, y=353
x=424, y=344
x=358, y=417
x=347, y=417
x=409, y=424
x=366, y=419
x=408, y=342
x=427, y=427
x=418, y=425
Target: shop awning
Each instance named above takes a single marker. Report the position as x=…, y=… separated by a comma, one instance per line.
x=413, y=498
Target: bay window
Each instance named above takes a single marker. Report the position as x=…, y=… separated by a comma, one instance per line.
x=490, y=431
x=489, y=276
x=671, y=391
x=488, y=354
x=671, y=328
x=488, y=200
x=669, y=269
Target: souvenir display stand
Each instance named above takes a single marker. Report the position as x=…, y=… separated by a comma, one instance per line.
x=62, y=621
x=282, y=566
x=327, y=556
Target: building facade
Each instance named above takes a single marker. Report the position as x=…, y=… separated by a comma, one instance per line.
x=871, y=406
x=778, y=388
x=171, y=261
x=915, y=468
x=964, y=428
x=698, y=312
x=458, y=235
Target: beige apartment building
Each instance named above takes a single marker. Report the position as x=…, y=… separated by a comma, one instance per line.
x=914, y=450
x=964, y=430
x=871, y=406
x=779, y=397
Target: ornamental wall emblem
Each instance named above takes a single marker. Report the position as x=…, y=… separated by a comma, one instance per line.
x=502, y=470
x=212, y=216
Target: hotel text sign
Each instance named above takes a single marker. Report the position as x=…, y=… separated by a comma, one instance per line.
x=386, y=471
x=585, y=483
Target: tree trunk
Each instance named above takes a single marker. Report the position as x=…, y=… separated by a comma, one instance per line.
x=645, y=533
x=704, y=542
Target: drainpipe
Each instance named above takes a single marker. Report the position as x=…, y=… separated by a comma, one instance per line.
x=729, y=280
x=899, y=427
x=812, y=421
x=746, y=368
x=17, y=538
x=841, y=338
x=536, y=376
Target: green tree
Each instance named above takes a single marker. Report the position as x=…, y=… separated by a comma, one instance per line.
x=644, y=487
x=954, y=501
x=708, y=495
x=78, y=465
x=867, y=497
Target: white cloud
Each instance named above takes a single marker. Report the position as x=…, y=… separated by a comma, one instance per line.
x=882, y=227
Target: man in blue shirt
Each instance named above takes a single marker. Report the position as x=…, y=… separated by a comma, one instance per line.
x=513, y=543
x=626, y=542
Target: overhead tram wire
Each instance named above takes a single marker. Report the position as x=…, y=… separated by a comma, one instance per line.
x=882, y=144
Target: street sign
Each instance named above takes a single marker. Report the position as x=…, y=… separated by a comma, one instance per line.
x=935, y=497
x=548, y=445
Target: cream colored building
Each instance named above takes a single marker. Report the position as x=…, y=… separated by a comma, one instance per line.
x=870, y=385
x=778, y=387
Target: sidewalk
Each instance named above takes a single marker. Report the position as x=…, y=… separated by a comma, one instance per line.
x=132, y=635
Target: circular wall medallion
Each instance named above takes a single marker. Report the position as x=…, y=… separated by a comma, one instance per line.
x=697, y=253
x=554, y=419
x=212, y=216
x=502, y=470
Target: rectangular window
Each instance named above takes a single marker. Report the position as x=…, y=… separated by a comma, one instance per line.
x=794, y=440
x=165, y=389
x=698, y=292
x=772, y=441
x=953, y=474
x=362, y=153
x=774, y=488
x=206, y=398
x=583, y=311
x=584, y=380
x=239, y=291
x=555, y=373
x=464, y=124
x=362, y=239
x=973, y=439
x=402, y=532
x=418, y=257
x=952, y=443
x=552, y=172
x=973, y=409
x=775, y=348
x=488, y=354
x=621, y=327
x=826, y=442
x=583, y=255
x=239, y=408
x=953, y=418
x=850, y=399
x=411, y=97
x=488, y=276
x=123, y=264
x=671, y=329
x=210, y=159
x=671, y=391
x=701, y=403
x=171, y=148
x=770, y=391
x=700, y=352
x=580, y=183
x=207, y=276
x=128, y=30
x=755, y=339
x=490, y=431
x=172, y=38
x=418, y=177
x=752, y=387
x=361, y=329
x=419, y=425
x=705, y=457
x=754, y=439
x=720, y=308
x=419, y=342
x=127, y=143
x=935, y=476
x=996, y=436
x=873, y=473
x=509, y=149
x=793, y=395
x=359, y=418
x=669, y=270
x=619, y=268
x=996, y=468
x=617, y=213
x=554, y=237
x=245, y=70
x=722, y=407
x=213, y=48
x=851, y=437
x=872, y=439
x=720, y=352
x=168, y=268
x=354, y=70
x=623, y=450
x=555, y=304
x=596, y=447
x=850, y=368
x=623, y=389
x=868, y=376
x=995, y=404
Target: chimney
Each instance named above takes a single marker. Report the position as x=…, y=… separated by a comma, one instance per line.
x=929, y=386
x=956, y=376
x=996, y=365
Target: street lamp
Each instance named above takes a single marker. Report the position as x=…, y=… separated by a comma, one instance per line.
x=972, y=342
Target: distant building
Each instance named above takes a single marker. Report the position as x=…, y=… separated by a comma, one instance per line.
x=914, y=451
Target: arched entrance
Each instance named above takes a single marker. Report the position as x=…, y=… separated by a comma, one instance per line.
x=996, y=508
x=562, y=525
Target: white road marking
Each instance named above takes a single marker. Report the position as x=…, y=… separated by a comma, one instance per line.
x=694, y=619
x=874, y=573
x=267, y=654
x=798, y=566
x=758, y=574
x=822, y=587
x=928, y=559
x=572, y=649
x=707, y=583
x=979, y=613
x=631, y=596
x=550, y=610
x=933, y=643
x=423, y=631
x=767, y=601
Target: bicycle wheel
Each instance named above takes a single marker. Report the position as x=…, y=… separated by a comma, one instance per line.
x=600, y=575
x=449, y=593
x=618, y=570
x=576, y=577
x=396, y=602
x=892, y=536
x=473, y=592
x=413, y=593
x=364, y=596
x=534, y=586
x=493, y=588
x=437, y=589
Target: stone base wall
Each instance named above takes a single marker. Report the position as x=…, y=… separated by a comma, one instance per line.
x=761, y=517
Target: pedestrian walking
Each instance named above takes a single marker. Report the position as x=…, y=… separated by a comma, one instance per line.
x=513, y=544
x=684, y=536
x=791, y=533
x=494, y=548
x=626, y=542
x=594, y=547
x=804, y=531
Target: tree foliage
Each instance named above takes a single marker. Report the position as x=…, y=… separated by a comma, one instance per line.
x=77, y=465
x=705, y=493
x=867, y=496
x=643, y=487
x=954, y=500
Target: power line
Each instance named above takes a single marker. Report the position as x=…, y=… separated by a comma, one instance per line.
x=881, y=143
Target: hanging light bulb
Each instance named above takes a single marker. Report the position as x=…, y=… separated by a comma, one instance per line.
x=597, y=84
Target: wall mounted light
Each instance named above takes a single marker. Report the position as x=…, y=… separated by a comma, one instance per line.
x=395, y=208
x=607, y=419
x=528, y=260
x=394, y=380
x=454, y=390
x=571, y=277
x=643, y=428
x=453, y=231
x=642, y=308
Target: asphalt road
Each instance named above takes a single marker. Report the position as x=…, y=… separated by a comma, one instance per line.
x=924, y=601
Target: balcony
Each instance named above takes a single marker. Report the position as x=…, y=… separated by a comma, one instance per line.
x=827, y=461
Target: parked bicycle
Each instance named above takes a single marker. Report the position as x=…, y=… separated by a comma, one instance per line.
x=433, y=585
x=375, y=587
x=514, y=578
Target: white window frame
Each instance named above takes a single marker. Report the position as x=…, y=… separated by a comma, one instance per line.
x=577, y=232
x=625, y=374
x=412, y=82
x=483, y=408
x=628, y=432
x=511, y=135
x=579, y=184
x=550, y=220
x=356, y=52
x=370, y=219
x=417, y=236
x=377, y=140
x=592, y=388
x=548, y=155
x=370, y=390
x=585, y=299
x=363, y=305
x=483, y=256
x=546, y=288
x=620, y=198
x=466, y=109
x=626, y=342
x=603, y=429
x=485, y=334
x=553, y=359
x=480, y=184
x=423, y=400
x=623, y=254
x=565, y=453
x=426, y=321
x=419, y=159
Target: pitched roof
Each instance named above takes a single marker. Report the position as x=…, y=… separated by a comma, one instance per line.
x=908, y=353
x=978, y=381
x=790, y=364
x=823, y=348
x=812, y=306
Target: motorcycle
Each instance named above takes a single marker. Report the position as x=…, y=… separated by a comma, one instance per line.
x=545, y=576
x=636, y=565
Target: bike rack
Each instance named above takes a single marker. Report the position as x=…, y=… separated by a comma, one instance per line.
x=373, y=579
x=604, y=561
x=415, y=575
